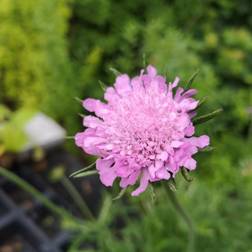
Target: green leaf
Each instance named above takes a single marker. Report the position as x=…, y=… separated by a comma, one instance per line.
x=22, y=116
x=81, y=115
x=120, y=194
x=207, y=149
x=207, y=117
x=78, y=100
x=202, y=101
x=172, y=185
x=152, y=194
x=105, y=212
x=69, y=137
x=144, y=60
x=13, y=137
x=83, y=169
x=185, y=174
x=85, y=174
x=103, y=85
x=4, y=112
x=114, y=71
x=57, y=173
x=191, y=79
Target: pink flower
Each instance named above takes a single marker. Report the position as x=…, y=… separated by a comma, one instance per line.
x=143, y=132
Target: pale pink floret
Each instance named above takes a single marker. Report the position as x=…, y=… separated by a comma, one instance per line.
x=144, y=132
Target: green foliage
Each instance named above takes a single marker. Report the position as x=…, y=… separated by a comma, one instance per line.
x=222, y=221
x=34, y=68
x=235, y=55
x=12, y=135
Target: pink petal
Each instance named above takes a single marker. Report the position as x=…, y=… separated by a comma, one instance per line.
x=175, y=83
x=110, y=94
x=176, y=144
x=91, y=121
x=131, y=180
x=189, y=93
x=93, y=105
x=163, y=156
x=189, y=131
x=79, y=139
x=151, y=71
x=188, y=104
x=153, y=168
x=161, y=84
x=178, y=96
x=154, y=85
x=122, y=84
x=137, y=84
x=92, y=140
x=190, y=164
x=90, y=104
x=172, y=165
x=144, y=181
x=163, y=174
x=203, y=141
x=122, y=168
x=107, y=173
x=200, y=142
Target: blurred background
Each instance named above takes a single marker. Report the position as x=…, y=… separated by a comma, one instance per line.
x=54, y=50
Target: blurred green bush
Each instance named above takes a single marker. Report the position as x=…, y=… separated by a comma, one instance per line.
x=35, y=69
x=12, y=135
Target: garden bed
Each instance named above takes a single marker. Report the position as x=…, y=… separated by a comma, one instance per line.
x=25, y=224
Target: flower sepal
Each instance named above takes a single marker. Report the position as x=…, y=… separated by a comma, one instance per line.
x=120, y=194
x=185, y=174
x=172, y=184
x=206, y=117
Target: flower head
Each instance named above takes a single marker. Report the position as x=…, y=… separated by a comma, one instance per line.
x=143, y=132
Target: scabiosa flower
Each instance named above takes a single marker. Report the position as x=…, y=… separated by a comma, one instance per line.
x=143, y=132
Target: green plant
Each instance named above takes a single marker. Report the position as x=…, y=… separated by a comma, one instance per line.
x=35, y=68
x=12, y=135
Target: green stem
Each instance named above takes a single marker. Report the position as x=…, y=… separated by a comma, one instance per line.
x=77, y=198
x=76, y=243
x=62, y=213
x=180, y=210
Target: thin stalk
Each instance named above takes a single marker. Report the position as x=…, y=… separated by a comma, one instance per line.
x=180, y=210
x=62, y=213
x=77, y=198
x=83, y=169
x=76, y=243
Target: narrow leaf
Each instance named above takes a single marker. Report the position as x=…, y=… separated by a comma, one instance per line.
x=172, y=185
x=69, y=137
x=153, y=194
x=185, y=174
x=103, y=85
x=81, y=115
x=78, y=99
x=105, y=212
x=114, y=71
x=85, y=174
x=202, y=101
x=120, y=194
x=190, y=81
x=207, y=149
x=83, y=169
x=144, y=60
x=207, y=117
